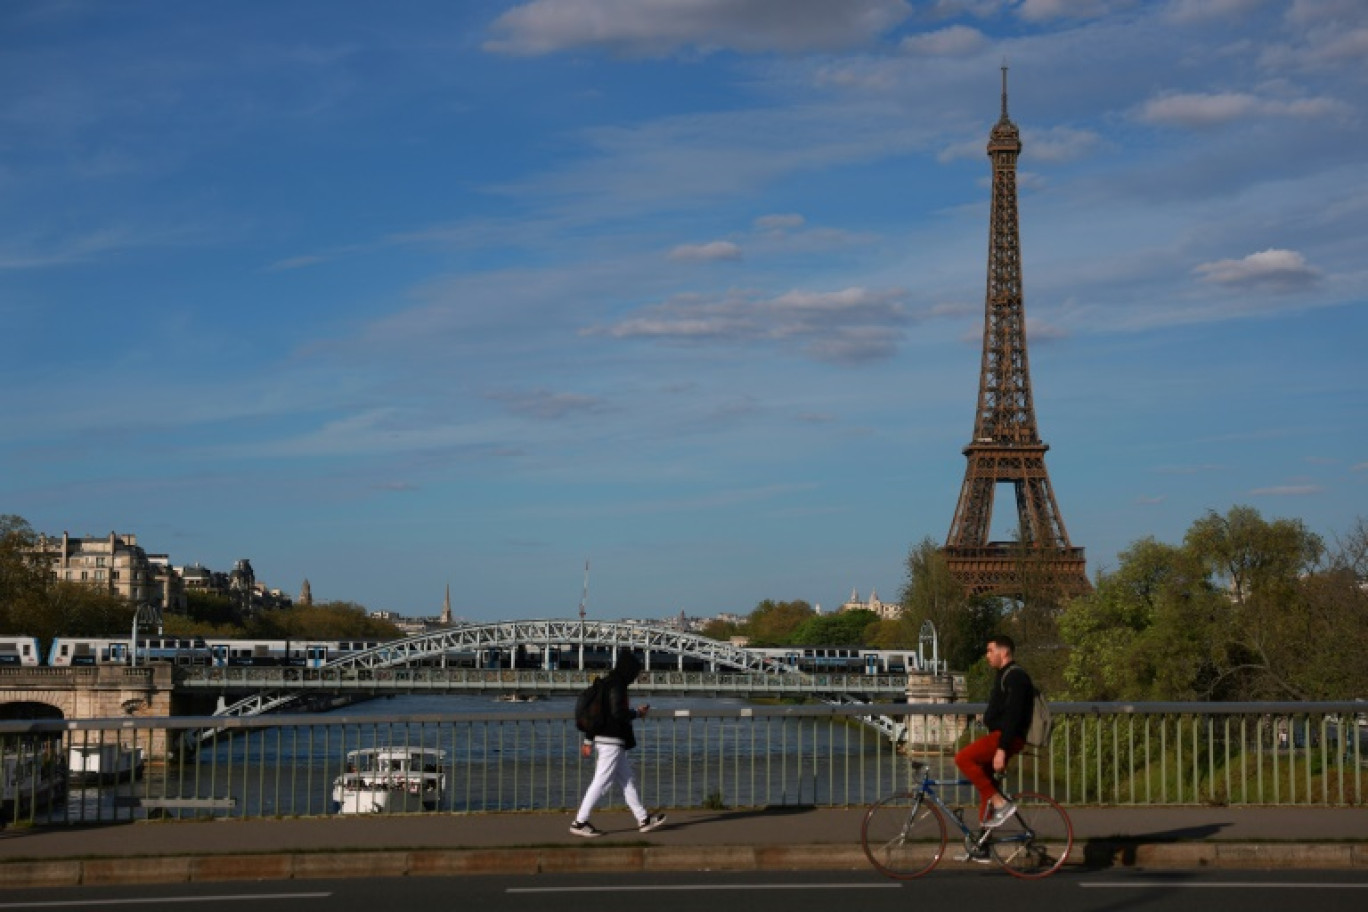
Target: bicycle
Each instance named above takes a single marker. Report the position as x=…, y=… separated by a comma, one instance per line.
x=905, y=836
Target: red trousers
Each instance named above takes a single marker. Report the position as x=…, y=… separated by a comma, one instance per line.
x=975, y=760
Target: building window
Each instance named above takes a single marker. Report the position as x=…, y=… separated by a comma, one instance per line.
x=99, y=574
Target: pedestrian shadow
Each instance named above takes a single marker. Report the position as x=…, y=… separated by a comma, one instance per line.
x=774, y=810
x=1112, y=851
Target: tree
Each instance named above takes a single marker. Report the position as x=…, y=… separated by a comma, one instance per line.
x=23, y=575
x=1133, y=636
x=321, y=621
x=720, y=630
x=71, y=609
x=1244, y=609
x=212, y=609
x=772, y=623
x=893, y=634
x=845, y=628
x=931, y=593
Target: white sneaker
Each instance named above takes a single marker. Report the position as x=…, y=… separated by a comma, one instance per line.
x=584, y=829
x=1000, y=816
x=650, y=823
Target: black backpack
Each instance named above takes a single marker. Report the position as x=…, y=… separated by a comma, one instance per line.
x=590, y=712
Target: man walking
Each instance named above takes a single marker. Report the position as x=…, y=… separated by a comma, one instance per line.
x=612, y=742
x=1008, y=717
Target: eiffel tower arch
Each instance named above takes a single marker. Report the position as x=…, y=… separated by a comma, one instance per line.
x=1006, y=447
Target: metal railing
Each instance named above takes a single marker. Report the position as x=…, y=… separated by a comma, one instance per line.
x=522, y=759
x=422, y=680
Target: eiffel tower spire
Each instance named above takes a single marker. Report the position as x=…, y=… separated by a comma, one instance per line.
x=1006, y=446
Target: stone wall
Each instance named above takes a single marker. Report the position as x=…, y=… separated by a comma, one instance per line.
x=102, y=692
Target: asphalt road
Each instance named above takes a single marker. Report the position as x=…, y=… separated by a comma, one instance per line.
x=1250, y=891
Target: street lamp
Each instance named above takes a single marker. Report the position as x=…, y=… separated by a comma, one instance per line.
x=152, y=616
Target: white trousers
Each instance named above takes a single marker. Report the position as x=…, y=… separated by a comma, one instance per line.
x=614, y=767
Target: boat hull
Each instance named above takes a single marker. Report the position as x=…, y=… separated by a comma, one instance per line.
x=104, y=764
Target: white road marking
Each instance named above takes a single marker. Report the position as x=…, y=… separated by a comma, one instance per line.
x=649, y=888
x=1227, y=885
x=147, y=900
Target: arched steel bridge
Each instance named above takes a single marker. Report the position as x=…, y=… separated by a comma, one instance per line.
x=407, y=665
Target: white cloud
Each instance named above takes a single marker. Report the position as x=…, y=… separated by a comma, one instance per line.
x=702, y=253
x=542, y=403
x=1209, y=109
x=1060, y=144
x=1045, y=10
x=779, y=222
x=1042, y=331
x=1272, y=270
x=1190, y=11
x=1286, y=491
x=660, y=27
x=841, y=326
x=955, y=41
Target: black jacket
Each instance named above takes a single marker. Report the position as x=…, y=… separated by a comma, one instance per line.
x=618, y=726
x=1010, y=704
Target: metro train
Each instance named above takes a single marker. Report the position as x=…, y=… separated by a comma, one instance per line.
x=842, y=659
x=19, y=650
x=215, y=652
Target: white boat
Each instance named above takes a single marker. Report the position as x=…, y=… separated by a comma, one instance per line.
x=391, y=780
x=31, y=777
x=98, y=764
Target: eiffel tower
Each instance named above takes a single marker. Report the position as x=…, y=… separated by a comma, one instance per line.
x=1006, y=447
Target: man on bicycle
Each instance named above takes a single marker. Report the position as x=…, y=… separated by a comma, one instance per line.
x=1007, y=718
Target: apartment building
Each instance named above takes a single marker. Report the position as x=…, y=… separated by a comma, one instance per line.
x=116, y=564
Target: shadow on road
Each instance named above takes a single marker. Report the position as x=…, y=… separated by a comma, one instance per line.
x=1108, y=852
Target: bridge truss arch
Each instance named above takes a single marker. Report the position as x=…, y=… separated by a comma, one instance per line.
x=547, y=634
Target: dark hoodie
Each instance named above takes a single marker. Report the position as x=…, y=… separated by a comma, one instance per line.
x=1009, y=705
x=620, y=713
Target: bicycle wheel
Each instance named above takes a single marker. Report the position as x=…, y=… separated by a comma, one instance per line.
x=1035, y=841
x=903, y=835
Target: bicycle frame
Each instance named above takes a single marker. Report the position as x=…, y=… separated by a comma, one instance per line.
x=926, y=789
x=1033, y=843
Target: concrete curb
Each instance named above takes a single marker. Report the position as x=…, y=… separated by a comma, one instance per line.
x=1095, y=854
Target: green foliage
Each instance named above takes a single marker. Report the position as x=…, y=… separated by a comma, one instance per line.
x=211, y=608
x=893, y=634
x=720, y=630
x=931, y=593
x=31, y=602
x=846, y=628
x=1244, y=609
x=23, y=578
x=773, y=623
x=324, y=620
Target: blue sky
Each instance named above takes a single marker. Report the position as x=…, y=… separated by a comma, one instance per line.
x=391, y=296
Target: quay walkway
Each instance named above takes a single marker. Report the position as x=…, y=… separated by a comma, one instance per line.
x=776, y=839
